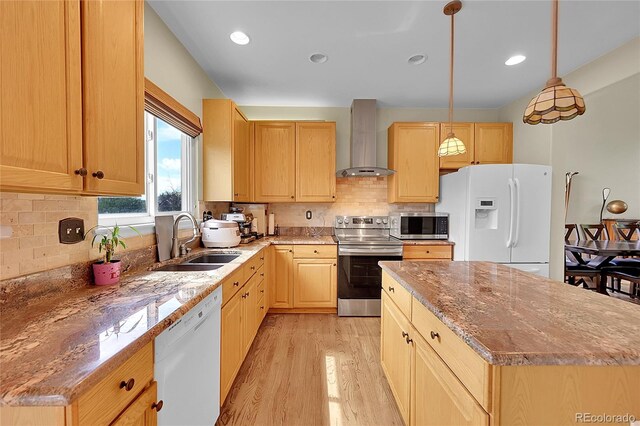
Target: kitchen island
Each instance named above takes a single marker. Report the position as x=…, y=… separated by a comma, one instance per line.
x=481, y=343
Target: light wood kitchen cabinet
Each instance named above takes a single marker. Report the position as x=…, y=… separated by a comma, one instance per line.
x=464, y=132
x=282, y=290
x=437, y=396
x=395, y=354
x=231, y=345
x=227, y=152
x=143, y=411
x=113, y=96
x=41, y=102
x=412, y=153
x=427, y=252
x=486, y=143
x=249, y=319
x=316, y=162
x=275, y=161
x=315, y=283
x=493, y=143
x=73, y=114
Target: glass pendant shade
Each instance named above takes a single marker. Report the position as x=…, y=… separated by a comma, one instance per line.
x=451, y=146
x=556, y=102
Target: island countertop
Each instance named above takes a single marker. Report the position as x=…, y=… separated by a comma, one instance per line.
x=510, y=317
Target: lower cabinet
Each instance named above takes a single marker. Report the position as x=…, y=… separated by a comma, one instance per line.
x=231, y=348
x=315, y=283
x=282, y=289
x=143, y=411
x=427, y=252
x=249, y=316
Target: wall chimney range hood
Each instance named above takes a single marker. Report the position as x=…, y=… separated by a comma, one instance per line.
x=363, y=141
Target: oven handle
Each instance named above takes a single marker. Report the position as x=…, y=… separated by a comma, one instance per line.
x=373, y=251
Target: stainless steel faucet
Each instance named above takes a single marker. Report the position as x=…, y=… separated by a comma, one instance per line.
x=178, y=249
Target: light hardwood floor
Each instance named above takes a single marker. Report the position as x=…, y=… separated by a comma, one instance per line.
x=312, y=369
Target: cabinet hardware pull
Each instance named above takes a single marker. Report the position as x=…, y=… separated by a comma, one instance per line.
x=157, y=405
x=315, y=251
x=81, y=171
x=392, y=289
x=405, y=334
x=290, y=251
x=261, y=291
x=435, y=335
x=292, y=197
x=235, y=195
x=236, y=283
x=128, y=385
x=408, y=340
x=253, y=268
x=334, y=264
x=262, y=274
x=261, y=307
x=428, y=251
x=262, y=258
x=333, y=196
x=99, y=174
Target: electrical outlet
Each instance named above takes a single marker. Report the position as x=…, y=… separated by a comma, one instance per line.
x=308, y=214
x=71, y=230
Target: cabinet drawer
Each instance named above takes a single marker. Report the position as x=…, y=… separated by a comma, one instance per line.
x=314, y=251
x=232, y=284
x=106, y=400
x=426, y=252
x=400, y=296
x=466, y=364
x=253, y=264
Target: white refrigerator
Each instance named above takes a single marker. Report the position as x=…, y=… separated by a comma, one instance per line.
x=500, y=213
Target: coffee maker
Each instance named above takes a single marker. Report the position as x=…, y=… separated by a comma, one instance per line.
x=237, y=215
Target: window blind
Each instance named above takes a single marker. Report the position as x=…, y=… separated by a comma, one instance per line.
x=162, y=105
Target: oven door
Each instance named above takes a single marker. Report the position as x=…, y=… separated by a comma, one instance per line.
x=360, y=279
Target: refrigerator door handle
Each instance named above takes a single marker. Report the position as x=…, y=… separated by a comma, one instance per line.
x=517, y=213
x=512, y=194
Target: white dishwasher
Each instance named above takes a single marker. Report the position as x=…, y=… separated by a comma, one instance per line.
x=187, y=366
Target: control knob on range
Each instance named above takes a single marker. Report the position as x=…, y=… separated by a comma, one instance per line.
x=340, y=220
x=378, y=221
x=385, y=221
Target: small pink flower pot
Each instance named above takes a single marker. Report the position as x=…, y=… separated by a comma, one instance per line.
x=106, y=273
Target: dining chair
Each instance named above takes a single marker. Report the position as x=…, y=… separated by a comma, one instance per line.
x=594, y=232
x=576, y=271
x=627, y=232
x=619, y=273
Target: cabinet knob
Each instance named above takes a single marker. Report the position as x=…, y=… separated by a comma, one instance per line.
x=253, y=268
x=158, y=405
x=391, y=289
x=333, y=196
x=408, y=340
x=292, y=197
x=262, y=258
x=261, y=307
x=128, y=385
x=81, y=171
x=315, y=251
x=290, y=251
x=236, y=283
x=334, y=264
x=404, y=334
x=435, y=335
x=235, y=195
x=262, y=274
x=99, y=174
x=261, y=291
x=428, y=251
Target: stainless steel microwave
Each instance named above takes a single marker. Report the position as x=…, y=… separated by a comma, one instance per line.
x=420, y=226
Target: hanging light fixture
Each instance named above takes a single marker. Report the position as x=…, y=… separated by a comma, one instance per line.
x=556, y=101
x=451, y=145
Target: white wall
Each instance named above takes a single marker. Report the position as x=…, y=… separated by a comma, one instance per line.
x=603, y=144
x=385, y=116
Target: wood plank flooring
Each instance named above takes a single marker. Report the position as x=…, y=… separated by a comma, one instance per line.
x=312, y=369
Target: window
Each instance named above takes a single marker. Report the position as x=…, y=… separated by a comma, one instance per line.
x=168, y=162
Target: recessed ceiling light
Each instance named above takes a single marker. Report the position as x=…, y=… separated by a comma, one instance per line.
x=238, y=37
x=318, y=58
x=417, y=59
x=515, y=60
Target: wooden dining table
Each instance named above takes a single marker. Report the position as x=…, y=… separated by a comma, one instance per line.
x=603, y=252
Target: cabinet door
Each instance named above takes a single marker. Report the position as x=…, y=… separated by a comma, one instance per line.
x=413, y=155
x=41, y=102
x=464, y=132
x=231, y=350
x=282, y=296
x=494, y=143
x=113, y=96
x=396, y=354
x=242, y=159
x=437, y=396
x=314, y=283
x=249, y=320
x=316, y=162
x=142, y=411
x=275, y=161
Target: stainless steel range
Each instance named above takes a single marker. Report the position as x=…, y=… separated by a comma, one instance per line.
x=363, y=241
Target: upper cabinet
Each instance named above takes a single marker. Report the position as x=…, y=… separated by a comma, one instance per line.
x=316, y=162
x=227, y=153
x=275, y=161
x=412, y=153
x=113, y=96
x=41, y=104
x=487, y=143
x=45, y=107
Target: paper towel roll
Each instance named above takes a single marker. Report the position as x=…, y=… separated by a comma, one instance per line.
x=272, y=223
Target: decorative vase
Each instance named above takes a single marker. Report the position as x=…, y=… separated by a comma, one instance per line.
x=106, y=273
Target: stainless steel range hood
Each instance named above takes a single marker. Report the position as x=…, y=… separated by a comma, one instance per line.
x=363, y=141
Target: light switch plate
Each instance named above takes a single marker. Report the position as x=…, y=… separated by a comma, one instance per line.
x=71, y=230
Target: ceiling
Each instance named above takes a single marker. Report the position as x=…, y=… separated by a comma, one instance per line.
x=368, y=44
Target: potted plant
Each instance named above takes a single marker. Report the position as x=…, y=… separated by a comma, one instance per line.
x=107, y=270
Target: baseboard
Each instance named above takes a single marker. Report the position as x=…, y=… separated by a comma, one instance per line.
x=303, y=311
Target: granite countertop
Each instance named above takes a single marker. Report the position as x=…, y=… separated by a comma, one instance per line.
x=510, y=317
x=53, y=349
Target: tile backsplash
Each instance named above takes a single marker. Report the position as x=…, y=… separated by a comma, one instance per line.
x=354, y=196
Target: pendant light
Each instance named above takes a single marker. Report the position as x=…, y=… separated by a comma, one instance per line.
x=556, y=101
x=451, y=145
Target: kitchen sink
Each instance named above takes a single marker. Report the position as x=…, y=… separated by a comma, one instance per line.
x=189, y=267
x=213, y=258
